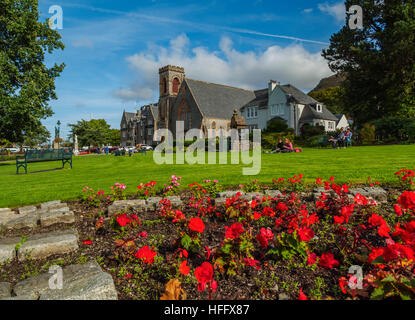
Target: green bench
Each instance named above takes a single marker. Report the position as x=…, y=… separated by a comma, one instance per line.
x=42, y=155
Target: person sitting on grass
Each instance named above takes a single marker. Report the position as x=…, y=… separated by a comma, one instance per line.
x=288, y=146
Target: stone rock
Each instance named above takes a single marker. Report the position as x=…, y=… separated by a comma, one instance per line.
x=273, y=193
x=229, y=194
x=283, y=296
x=23, y=297
x=27, y=210
x=5, y=290
x=6, y=215
x=175, y=201
x=52, y=204
x=362, y=191
x=152, y=203
x=54, y=216
x=8, y=249
x=44, y=245
x=39, y=284
x=99, y=286
x=252, y=195
x=123, y=205
x=220, y=202
x=377, y=193
x=20, y=221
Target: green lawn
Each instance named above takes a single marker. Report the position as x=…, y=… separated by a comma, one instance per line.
x=100, y=172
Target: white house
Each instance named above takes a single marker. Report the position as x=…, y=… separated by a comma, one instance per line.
x=287, y=103
x=342, y=121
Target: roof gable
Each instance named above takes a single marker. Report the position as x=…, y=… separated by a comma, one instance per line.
x=297, y=94
x=218, y=101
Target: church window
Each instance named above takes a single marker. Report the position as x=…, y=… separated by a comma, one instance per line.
x=176, y=84
x=185, y=115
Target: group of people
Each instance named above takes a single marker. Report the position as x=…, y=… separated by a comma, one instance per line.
x=284, y=147
x=343, y=139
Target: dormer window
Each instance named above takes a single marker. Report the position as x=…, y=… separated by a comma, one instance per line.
x=319, y=108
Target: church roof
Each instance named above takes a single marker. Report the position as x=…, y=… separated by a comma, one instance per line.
x=219, y=101
x=129, y=116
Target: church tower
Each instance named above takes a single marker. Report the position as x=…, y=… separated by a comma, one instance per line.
x=171, y=78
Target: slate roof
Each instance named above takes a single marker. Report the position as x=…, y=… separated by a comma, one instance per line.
x=219, y=101
x=297, y=94
x=310, y=113
x=129, y=116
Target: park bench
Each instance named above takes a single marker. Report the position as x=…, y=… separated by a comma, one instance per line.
x=323, y=141
x=42, y=155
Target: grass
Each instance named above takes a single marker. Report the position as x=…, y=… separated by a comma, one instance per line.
x=100, y=172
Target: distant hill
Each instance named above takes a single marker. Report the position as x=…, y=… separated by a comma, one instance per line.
x=330, y=82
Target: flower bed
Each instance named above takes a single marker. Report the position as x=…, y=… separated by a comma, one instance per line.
x=287, y=246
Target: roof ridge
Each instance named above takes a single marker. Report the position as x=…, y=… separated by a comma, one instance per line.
x=218, y=84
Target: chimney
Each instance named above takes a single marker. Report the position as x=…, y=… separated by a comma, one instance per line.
x=271, y=86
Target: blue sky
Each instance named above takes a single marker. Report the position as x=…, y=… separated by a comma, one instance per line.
x=114, y=48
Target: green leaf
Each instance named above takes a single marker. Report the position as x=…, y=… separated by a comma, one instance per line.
x=378, y=293
x=186, y=242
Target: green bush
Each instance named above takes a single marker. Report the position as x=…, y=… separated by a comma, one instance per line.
x=274, y=126
x=367, y=134
x=308, y=130
x=393, y=128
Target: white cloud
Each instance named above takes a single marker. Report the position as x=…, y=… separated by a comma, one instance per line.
x=309, y=10
x=250, y=70
x=337, y=10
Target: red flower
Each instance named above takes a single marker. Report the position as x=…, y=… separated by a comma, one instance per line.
x=327, y=261
x=312, y=259
x=342, y=283
x=196, y=224
x=398, y=209
x=305, y=234
x=123, y=220
x=128, y=276
x=347, y=211
x=178, y=216
x=257, y=215
x=234, y=231
x=361, y=200
x=143, y=234
x=208, y=253
x=281, y=206
x=253, y=204
x=146, y=254
x=407, y=200
x=184, y=268
x=302, y=296
x=264, y=236
x=252, y=263
x=87, y=242
x=204, y=275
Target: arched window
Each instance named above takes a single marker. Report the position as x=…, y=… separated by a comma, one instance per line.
x=163, y=85
x=176, y=84
x=185, y=115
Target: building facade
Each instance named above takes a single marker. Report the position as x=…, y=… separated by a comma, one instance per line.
x=204, y=105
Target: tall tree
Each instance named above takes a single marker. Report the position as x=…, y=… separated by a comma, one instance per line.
x=95, y=132
x=26, y=84
x=378, y=60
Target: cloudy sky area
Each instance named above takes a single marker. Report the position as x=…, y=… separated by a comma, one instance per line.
x=115, y=48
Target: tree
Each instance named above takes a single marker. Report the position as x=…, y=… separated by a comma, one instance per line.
x=114, y=137
x=378, y=60
x=332, y=98
x=276, y=125
x=95, y=132
x=26, y=84
x=37, y=138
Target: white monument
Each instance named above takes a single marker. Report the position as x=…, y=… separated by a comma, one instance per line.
x=75, y=149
